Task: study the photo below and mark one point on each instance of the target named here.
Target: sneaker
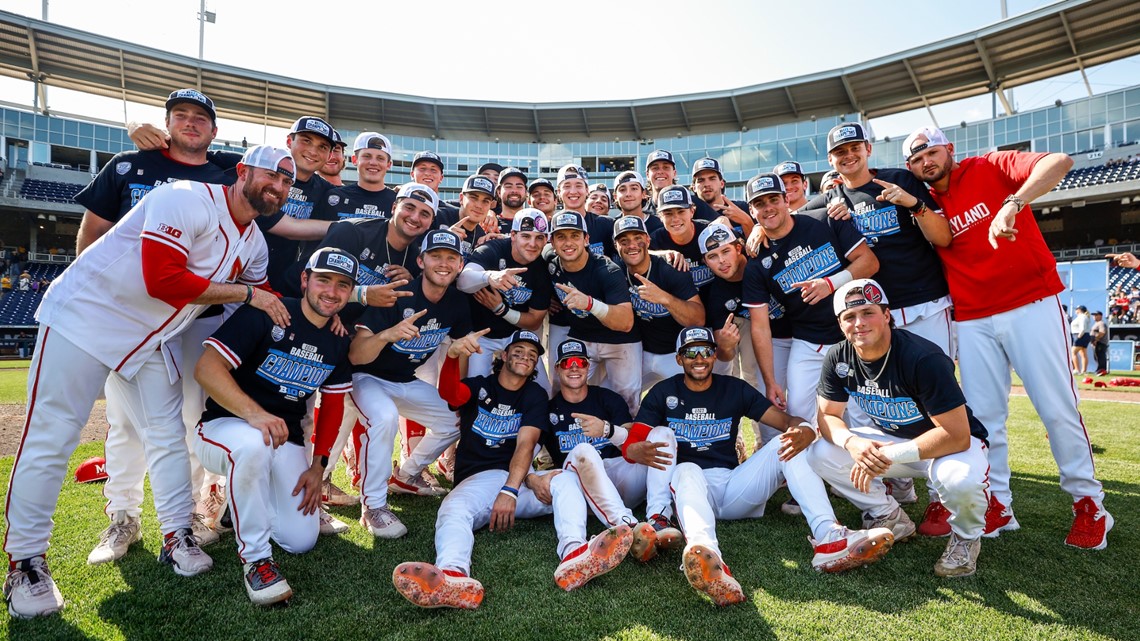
(330, 525)
(264, 582)
(333, 495)
(206, 535)
(417, 485)
(791, 507)
(897, 522)
(603, 553)
(1091, 523)
(644, 545)
(30, 590)
(999, 518)
(741, 449)
(114, 541)
(843, 550)
(935, 521)
(382, 523)
(430, 587)
(902, 490)
(182, 554)
(669, 537)
(212, 507)
(707, 573)
(960, 558)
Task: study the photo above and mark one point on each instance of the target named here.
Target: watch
(324, 461)
(1017, 202)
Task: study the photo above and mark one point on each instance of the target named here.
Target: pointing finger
(728, 321)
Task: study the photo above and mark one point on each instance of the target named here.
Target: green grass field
(1028, 586)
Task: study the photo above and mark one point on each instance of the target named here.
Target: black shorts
(1082, 340)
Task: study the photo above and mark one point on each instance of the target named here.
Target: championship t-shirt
(562, 432)
(601, 231)
(490, 421)
(654, 321)
(724, 298)
(353, 201)
(130, 175)
(532, 292)
(694, 256)
(599, 278)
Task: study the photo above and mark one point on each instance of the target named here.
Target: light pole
(204, 17)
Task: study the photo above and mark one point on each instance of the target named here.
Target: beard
(258, 201)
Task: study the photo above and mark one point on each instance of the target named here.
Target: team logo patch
(627, 223)
(873, 294)
(763, 183)
(408, 312)
(173, 232)
(340, 261)
(716, 238)
(483, 183)
(846, 132)
(364, 255)
(705, 163)
(842, 370)
(730, 304)
(122, 168)
(444, 238)
(674, 196)
(502, 263)
(482, 393)
(277, 333)
(553, 418)
(766, 262)
(317, 126)
(671, 402)
(552, 268)
(334, 199)
(565, 219)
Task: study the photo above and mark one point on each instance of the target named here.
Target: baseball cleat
(416, 485)
(212, 508)
(181, 552)
(114, 541)
(264, 582)
(1091, 523)
(668, 536)
(603, 553)
(644, 546)
(707, 573)
(30, 591)
(791, 507)
(333, 495)
(897, 522)
(382, 523)
(935, 521)
(843, 550)
(902, 490)
(960, 558)
(330, 525)
(427, 586)
(999, 518)
(206, 534)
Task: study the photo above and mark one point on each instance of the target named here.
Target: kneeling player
(258, 377)
(922, 426)
(499, 419)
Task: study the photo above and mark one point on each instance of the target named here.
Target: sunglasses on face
(704, 351)
(572, 362)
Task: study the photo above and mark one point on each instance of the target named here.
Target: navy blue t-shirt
(603, 280)
(532, 292)
(601, 231)
(916, 382)
(706, 423)
(281, 367)
(703, 211)
(130, 175)
(353, 201)
(724, 297)
(813, 249)
(283, 252)
(562, 432)
(490, 421)
(656, 324)
(694, 256)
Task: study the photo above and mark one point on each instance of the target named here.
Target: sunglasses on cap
(572, 362)
(701, 351)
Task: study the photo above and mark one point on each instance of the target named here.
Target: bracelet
(1013, 198)
(829, 283)
(607, 429)
(589, 303)
(248, 294)
(500, 310)
(843, 445)
(325, 461)
(509, 490)
(919, 210)
(360, 294)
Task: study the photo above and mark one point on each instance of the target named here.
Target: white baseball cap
(870, 293)
(419, 192)
(270, 158)
(372, 140)
(934, 138)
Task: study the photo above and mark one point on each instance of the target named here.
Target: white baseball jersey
(101, 302)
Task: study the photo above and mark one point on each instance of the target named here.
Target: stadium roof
(1055, 39)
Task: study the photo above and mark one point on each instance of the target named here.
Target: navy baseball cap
(193, 97)
(427, 156)
(674, 197)
(572, 347)
(313, 125)
(845, 133)
(707, 164)
(527, 336)
(511, 171)
(714, 237)
(627, 224)
(568, 220)
(333, 260)
(829, 176)
(570, 172)
(629, 176)
(419, 192)
(530, 219)
(479, 183)
(539, 182)
(338, 140)
(659, 154)
(870, 293)
(695, 336)
(761, 185)
(490, 166)
(788, 167)
(441, 239)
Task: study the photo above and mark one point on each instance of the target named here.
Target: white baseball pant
(480, 363)
(468, 508)
(259, 487)
(607, 486)
(931, 321)
(1034, 339)
(656, 368)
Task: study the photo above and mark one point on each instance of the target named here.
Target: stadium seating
(1124, 278)
(45, 270)
(19, 308)
(1100, 175)
(54, 192)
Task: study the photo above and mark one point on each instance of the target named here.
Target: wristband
(637, 432)
(919, 210)
(500, 310)
(248, 295)
(607, 429)
(598, 309)
(512, 316)
(840, 279)
(902, 453)
(843, 445)
(324, 461)
(589, 303)
(360, 294)
(506, 489)
(504, 492)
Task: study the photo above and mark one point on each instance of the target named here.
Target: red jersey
(985, 281)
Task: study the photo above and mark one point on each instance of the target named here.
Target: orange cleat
(707, 573)
(430, 587)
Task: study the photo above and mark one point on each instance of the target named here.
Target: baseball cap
(629, 223)
(479, 183)
(674, 197)
(600, 188)
(788, 167)
(1082, 308)
(530, 219)
(333, 260)
(93, 469)
(934, 137)
(539, 182)
(427, 156)
(1098, 313)
(568, 220)
(694, 335)
(419, 192)
(845, 133)
(570, 172)
(313, 125)
(193, 97)
(372, 140)
(629, 176)
(714, 237)
(870, 293)
(338, 140)
(441, 239)
(706, 164)
(763, 184)
(490, 166)
(571, 347)
(829, 176)
(269, 157)
(659, 154)
(511, 171)
(527, 336)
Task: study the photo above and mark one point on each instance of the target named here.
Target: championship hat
(427, 156)
(572, 347)
(629, 223)
(527, 336)
(762, 185)
(530, 219)
(694, 336)
(788, 167)
(568, 220)
(334, 260)
(629, 176)
(479, 183)
(934, 138)
(674, 197)
(93, 469)
(570, 172)
(372, 140)
(270, 158)
(441, 239)
(193, 97)
(845, 133)
(511, 171)
(707, 164)
(419, 192)
(491, 166)
(539, 182)
(870, 293)
(659, 154)
(714, 237)
(313, 125)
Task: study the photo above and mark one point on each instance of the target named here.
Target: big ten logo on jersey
(580, 313)
(496, 424)
(298, 373)
(644, 309)
(888, 412)
(979, 213)
(700, 428)
(173, 232)
(298, 205)
(875, 222)
(804, 264)
(598, 249)
(138, 190)
(421, 347)
(570, 438)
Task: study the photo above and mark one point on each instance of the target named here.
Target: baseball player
(499, 418)
(100, 318)
(921, 424)
(598, 200)
(685, 432)
(664, 300)
(708, 184)
(1008, 313)
(572, 193)
(512, 195)
(830, 180)
(661, 171)
(475, 201)
(369, 197)
(330, 171)
(796, 183)
(259, 377)
(540, 195)
(679, 234)
(427, 169)
(630, 196)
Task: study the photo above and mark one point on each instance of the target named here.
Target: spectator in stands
(25, 282)
(1100, 343)
(1080, 327)
(44, 283)
(5, 285)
